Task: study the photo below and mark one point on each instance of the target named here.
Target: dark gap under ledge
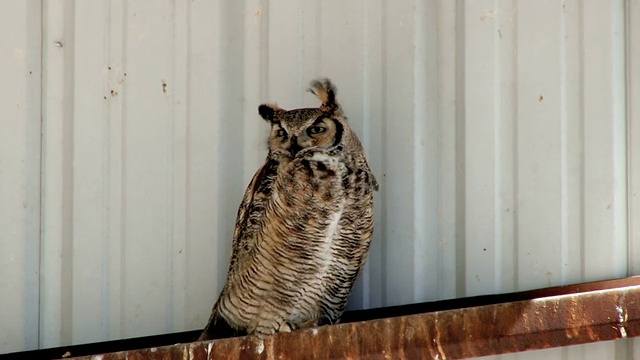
(448, 329)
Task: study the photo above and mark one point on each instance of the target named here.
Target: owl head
(298, 129)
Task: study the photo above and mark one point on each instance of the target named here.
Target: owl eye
(314, 130)
(280, 133)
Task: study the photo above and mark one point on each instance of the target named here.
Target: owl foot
(313, 323)
(285, 327)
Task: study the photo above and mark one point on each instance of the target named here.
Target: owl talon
(285, 327)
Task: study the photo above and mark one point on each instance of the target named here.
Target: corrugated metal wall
(504, 135)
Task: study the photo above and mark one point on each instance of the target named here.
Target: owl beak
(294, 146)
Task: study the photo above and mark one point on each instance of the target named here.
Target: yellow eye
(317, 130)
(280, 133)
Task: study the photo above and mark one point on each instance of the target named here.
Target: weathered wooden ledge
(537, 319)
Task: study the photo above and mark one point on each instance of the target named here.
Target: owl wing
(252, 209)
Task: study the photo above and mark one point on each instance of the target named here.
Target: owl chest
(299, 250)
(309, 245)
(310, 201)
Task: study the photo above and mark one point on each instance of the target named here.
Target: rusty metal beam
(583, 313)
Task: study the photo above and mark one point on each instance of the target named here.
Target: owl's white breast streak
(325, 249)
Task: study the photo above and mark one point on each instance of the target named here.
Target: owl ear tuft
(325, 91)
(268, 112)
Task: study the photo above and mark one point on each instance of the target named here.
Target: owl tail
(326, 92)
(217, 327)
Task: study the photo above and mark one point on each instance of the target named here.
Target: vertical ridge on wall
(448, 59)
(56, 283)
(178, 140)
(423, 147)
(632, 37)
(149, 111)
(580, 254)
(571, 130)
(619, 115)
(51, 281)
(538, 166)
(425, 151)
(505, 38)
(400, 206)
(114, 118)
(204, 281)
(501, 137)
(100, 164)
(381, 223)
(604, 156)
(85, 100)
(32, 170)
(459, 146)
(632, 51)
(479, 146)
(633, 133)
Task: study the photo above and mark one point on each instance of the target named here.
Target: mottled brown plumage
(304, 226)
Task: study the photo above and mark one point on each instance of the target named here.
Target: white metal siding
(504, 135)
(632, 22)
(20, 62)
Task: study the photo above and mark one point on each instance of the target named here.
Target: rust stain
(565, 316)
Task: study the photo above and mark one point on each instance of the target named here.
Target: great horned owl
(304, 226)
